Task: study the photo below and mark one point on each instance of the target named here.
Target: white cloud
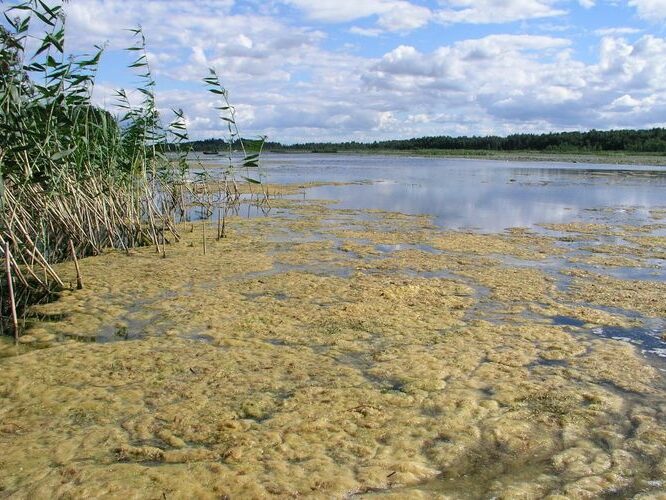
(512, 79)
(495, 11)
(624, 103)
(97, 20)
(496, 84)
(650, 10)
(618, 31)
(404, 16)
(371, 32)
(386, 121)
(293, 83)
(393, 15)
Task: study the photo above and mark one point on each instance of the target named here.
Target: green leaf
(44, 19)
(62, 154)
(23, 27)
(57, 74)
(78, 79)
(34, 67)
(58, 40)
(251, 180)
(11, 21)
(92, 62)
(46, 44)
(51, 11)
(23, 6)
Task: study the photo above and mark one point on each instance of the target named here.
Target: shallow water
(333, 353)
(488, 195)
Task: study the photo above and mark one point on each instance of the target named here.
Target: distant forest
(635, 141)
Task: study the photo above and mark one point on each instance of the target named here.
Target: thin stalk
(10, 290)
(79, 279)
(203, 237)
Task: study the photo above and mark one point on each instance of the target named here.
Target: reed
(75, 179)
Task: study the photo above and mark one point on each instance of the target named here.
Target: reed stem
(10, 290)
(79, 279)
(204, 236)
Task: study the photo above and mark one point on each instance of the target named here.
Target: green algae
(646, 297)
(257, 370)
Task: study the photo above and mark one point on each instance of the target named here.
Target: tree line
(628, 140)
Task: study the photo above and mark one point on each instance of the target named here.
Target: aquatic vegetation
(517, 243)
(645, 297)
(74, 179)
(279, 364)
(658, 213)
(319, 352)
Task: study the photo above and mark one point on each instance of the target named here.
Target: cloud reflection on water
(481, 194)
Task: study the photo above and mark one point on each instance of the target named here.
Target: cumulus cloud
(650, 10)
(195, 35)
(170, 21)
(509, 79)
(495, 84)
(624, 103)
(402, 15)
(291, 82)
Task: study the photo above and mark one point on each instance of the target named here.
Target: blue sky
(302, 70)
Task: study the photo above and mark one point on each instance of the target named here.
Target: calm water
(490, 195)
(483, 194)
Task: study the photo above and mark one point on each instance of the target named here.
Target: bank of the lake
(608, 157)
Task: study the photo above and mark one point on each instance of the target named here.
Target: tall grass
(75, 179)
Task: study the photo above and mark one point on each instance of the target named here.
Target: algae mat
(338, 353)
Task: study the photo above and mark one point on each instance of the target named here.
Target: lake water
(352, 354)
(490, 196)
(487, 195)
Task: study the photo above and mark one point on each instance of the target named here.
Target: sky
(365, 70)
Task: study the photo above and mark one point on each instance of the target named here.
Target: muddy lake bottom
(330, 351)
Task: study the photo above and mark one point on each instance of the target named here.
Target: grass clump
(74, 178)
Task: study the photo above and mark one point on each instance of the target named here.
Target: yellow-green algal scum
(331, 353)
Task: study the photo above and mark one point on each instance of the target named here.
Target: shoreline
(522, 156)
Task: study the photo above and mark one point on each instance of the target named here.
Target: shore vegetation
(76, 179)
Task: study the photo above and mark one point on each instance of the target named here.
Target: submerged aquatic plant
(74, 179)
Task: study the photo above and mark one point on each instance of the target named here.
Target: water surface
(487, 195)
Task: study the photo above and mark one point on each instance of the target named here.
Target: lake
(487, 195)
(490, 196)
(346, 346)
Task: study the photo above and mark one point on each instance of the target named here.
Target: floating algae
(645, 297)
(658, 213)
(258, 371)
(517, 243)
